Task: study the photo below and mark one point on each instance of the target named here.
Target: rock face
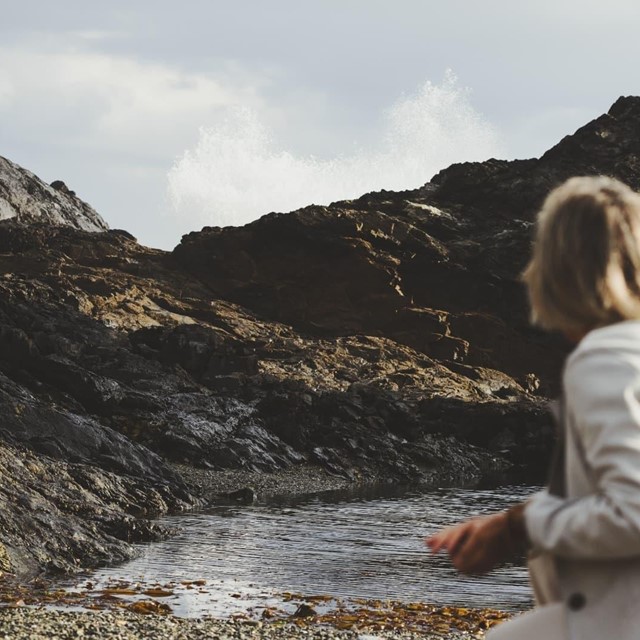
(24, 197)
(60, 516)
(379, 338)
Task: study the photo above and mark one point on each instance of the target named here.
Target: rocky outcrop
(123, 340)
(60, 516)
(608, 145)
(380, 338)
(26, 198)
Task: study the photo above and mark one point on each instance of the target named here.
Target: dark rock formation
(59, 516)
(246, 495)
(384, 337)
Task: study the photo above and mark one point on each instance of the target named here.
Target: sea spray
(236, 172)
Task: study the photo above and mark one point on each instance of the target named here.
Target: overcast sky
(167, 116)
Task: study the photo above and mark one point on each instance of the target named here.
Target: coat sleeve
(602, 393)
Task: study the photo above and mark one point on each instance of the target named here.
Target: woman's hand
(475, 546)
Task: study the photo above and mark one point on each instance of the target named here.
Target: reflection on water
(348, 546)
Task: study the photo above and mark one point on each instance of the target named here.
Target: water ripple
(343, 546)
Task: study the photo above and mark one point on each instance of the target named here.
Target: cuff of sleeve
(516, 528)
(537, 512)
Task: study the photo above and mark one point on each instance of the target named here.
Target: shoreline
(29, 619)
(211, 487)
(23, 612)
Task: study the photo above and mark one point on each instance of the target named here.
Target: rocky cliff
(379, 338)
(26, 198)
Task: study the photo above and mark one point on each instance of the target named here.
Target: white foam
(236, 172)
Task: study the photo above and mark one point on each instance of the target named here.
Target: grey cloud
(320, 74)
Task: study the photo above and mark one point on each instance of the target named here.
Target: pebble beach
(21, 623)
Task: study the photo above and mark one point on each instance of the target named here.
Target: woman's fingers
(434, 543)
(449, 538)
(438, 541)
(466, 557)
(484, 548)
(475, 546)
(459, 536)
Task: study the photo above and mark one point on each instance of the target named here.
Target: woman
(583, 280)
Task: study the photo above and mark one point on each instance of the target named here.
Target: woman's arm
(602, 390)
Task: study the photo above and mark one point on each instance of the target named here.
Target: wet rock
(245, 495)
(60, 516)
(304, 611)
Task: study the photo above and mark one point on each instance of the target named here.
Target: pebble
(22, 623)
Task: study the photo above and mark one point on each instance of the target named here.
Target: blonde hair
(585, 268)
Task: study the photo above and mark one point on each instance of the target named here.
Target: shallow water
(348, 545)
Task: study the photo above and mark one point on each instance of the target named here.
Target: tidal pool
(357, 545)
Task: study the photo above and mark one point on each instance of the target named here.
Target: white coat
(593, 534)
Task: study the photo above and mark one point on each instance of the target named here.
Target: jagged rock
(382, 337)
(28, 199)
(60, 516)
(59, 185)
(377, 267)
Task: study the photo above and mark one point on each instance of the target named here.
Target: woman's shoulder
(601, 382)
(605, 358)
(619, 339)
